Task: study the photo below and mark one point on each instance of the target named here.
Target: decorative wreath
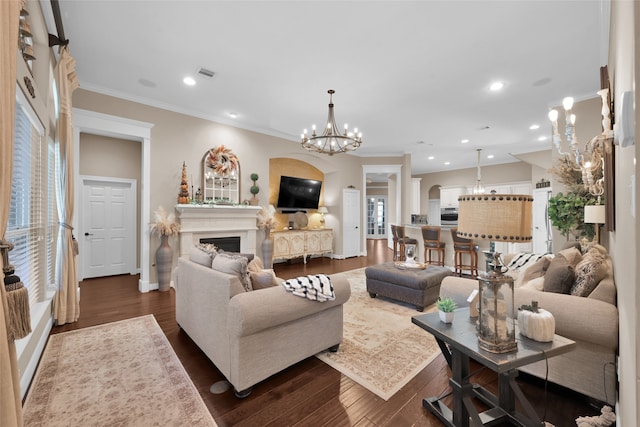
(222, 160)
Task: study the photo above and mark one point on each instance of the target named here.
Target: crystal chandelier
(332, 141)
(478, 188)
(589, 160)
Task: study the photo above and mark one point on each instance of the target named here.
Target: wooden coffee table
(459, 343)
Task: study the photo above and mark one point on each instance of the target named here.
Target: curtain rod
(57, 16)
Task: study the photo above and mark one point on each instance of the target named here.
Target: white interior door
(542, 236)
(107, 236)
(350, 222)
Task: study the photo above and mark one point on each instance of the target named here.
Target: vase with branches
(164, 226)
(266, 222)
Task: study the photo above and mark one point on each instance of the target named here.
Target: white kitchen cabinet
(449, 196)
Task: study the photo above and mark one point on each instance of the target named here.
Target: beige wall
(114, 158)
(178, 138)
(509, 172)
(623, 242)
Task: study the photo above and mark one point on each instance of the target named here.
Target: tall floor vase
(164, 259)
(267, 249)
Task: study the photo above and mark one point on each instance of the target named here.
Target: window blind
(26, 224)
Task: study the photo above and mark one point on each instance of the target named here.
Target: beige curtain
(66, 306)
(10, 402)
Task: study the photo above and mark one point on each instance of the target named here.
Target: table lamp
(322, 210)
(594, 214)
(503, 218)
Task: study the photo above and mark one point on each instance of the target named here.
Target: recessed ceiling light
(542, 138)
(534, 127)
(430, 157)
(189, 81)
(419, 142)
(490, 156)
(447, 163)
(495, 86)
(464, 141)
(233, 115)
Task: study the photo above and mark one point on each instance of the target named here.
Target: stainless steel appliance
(419, 219)
(449, 217)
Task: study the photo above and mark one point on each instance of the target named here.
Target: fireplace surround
(217, 221)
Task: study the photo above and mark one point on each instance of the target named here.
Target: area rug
(118, 374)
(381, 349)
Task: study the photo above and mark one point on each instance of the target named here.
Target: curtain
(10, 402)
(66, 306)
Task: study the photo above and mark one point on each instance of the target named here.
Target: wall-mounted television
(298, 194)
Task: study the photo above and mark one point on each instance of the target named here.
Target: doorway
(377, 217)
(108, 226)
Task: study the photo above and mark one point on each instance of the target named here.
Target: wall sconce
(322, 210)
(591, 159)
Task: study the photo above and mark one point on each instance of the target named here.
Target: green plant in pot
(566, 210)
(446, 307)
(254, 189)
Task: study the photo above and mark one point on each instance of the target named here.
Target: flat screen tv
(298, 193)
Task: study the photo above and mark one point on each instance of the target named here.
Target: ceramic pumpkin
(536, 323)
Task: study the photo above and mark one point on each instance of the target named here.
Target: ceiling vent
(203, 72)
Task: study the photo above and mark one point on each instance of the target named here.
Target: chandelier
(589, 160)
(478, 188)
(332, 141)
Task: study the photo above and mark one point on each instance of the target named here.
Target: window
(27, 226)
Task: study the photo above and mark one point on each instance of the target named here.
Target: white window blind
(26, 226)
(52, 215)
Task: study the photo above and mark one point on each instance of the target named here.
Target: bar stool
(462, 247)
(431, 238)
(399, 242)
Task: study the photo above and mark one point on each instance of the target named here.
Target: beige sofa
(250, 336)
(592, 322)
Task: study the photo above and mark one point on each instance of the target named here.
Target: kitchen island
(415, 231)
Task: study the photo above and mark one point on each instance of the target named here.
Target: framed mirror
(221, 176)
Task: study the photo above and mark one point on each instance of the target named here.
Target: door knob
(88, 234)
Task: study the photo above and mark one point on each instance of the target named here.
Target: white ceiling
(403, 72)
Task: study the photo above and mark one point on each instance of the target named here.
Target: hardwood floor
(309, 393)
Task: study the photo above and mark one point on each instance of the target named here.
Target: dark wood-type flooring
(309, 393)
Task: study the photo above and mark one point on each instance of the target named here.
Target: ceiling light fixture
(542, 138)
(464, 141)
(534, 127)
(478, 188)
(430, 158)
(233, 115)
(496, 86)
(189, 81)
(331, 141)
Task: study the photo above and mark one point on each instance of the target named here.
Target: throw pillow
(199, 256)
(233, 264)
(589, 272)
(263, 279)
(249, 257)
(572, 244)
(571, 254)
(209, 248)
(559, 276)
(255, 265)
(536, 284)
(537, 269)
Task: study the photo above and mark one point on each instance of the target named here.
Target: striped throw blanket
(317, 287)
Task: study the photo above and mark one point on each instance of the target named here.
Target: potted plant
(445, 309)
(164, 226)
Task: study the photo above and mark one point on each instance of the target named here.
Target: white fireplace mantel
(211, 221)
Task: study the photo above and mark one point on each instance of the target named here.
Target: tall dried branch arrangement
(164, 225)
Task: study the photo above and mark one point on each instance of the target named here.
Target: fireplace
(200, 222)
(227, 244)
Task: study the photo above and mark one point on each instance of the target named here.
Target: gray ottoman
(413, 286)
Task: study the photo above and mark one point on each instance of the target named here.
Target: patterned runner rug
(119, 374)
(381, 349)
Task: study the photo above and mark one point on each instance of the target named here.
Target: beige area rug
(381, 349)
(119, 374)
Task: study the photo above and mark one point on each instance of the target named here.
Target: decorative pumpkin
(536, 323)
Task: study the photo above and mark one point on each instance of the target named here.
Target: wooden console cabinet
(301, 243)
